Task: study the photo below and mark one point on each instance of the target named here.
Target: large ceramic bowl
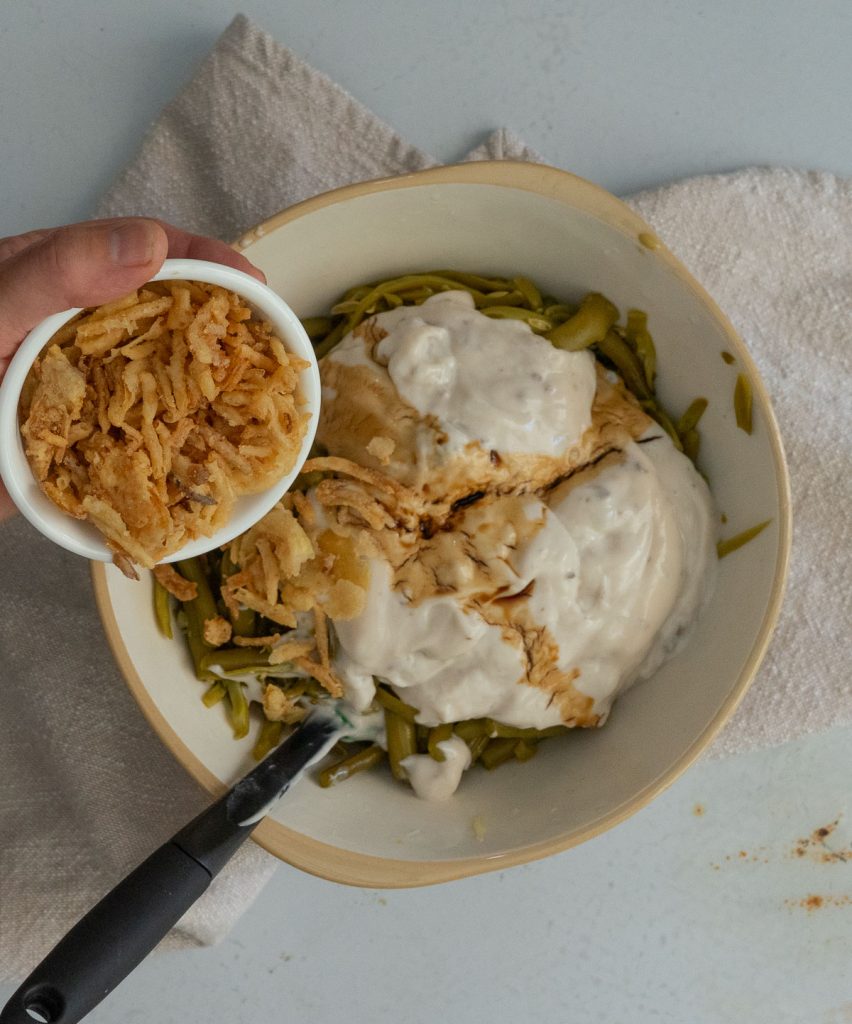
(569, 236)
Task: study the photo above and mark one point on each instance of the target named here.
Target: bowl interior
(570, 238)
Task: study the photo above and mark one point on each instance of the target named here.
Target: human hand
(45, 272)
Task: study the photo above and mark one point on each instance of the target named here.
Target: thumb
(80, 265)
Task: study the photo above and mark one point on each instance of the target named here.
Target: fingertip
(241, 263)
(256, 272)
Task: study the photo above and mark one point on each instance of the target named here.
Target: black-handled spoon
(119, 931)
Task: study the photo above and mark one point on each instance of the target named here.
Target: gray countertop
(699, 909)
(629, 93)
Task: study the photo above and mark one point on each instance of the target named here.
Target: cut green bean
(559, 312)
(421, 733)
(525, 750)
(742, 402)
(498, 752)
(244, 623)
(390, 702)
(471, 728)
(637, 333)
(238, 709)
(267, 739)
(689, 420)
(614, 348)
(588, 326)
(513, 298)
(203, 602)
(535, 321)
(323, 346)
(691, 441)
(235, 659)
(201, 607)
(198, 646)
(725, 547)
(477, 281)
(440, 734)
(529, 291)
(657, 413)
(360, 761)
(214, 693)
(649, 241)
(360, 290)
(162, 610)
(401, 740)
(316, 326)
(476, 745)
(226, 566)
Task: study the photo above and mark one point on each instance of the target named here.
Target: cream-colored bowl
(570, 237)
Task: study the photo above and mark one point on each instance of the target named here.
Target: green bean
(344, 307)
(244, 623)
(689, 420)
(360, 761)
(691, 441)
(226, 566)
(198, 646)
(200, 608)
(324, 346)
(513, 298)
(203, 602)
(476, 745)
(390, 702)
(639, 336)
(656, 412)
(725, 547)
(162, 610)
(614, 348)
(238, 709)
(471, 728)
(477, 281)
(235, 659)
(405, 283)
(588, 326)
(742, 402)
(498, 752)
(440, 734)
(316, 326)
(559, 312)
(401, 740)
(410, 297)
(267, 739)
(529, 291)
(360, 290)
(214, 693)
(536, 322)
(421, 733)
(525, 750)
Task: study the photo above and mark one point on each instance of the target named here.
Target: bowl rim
(84, 539)
(352, 868)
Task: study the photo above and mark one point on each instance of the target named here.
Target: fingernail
(132, 244)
